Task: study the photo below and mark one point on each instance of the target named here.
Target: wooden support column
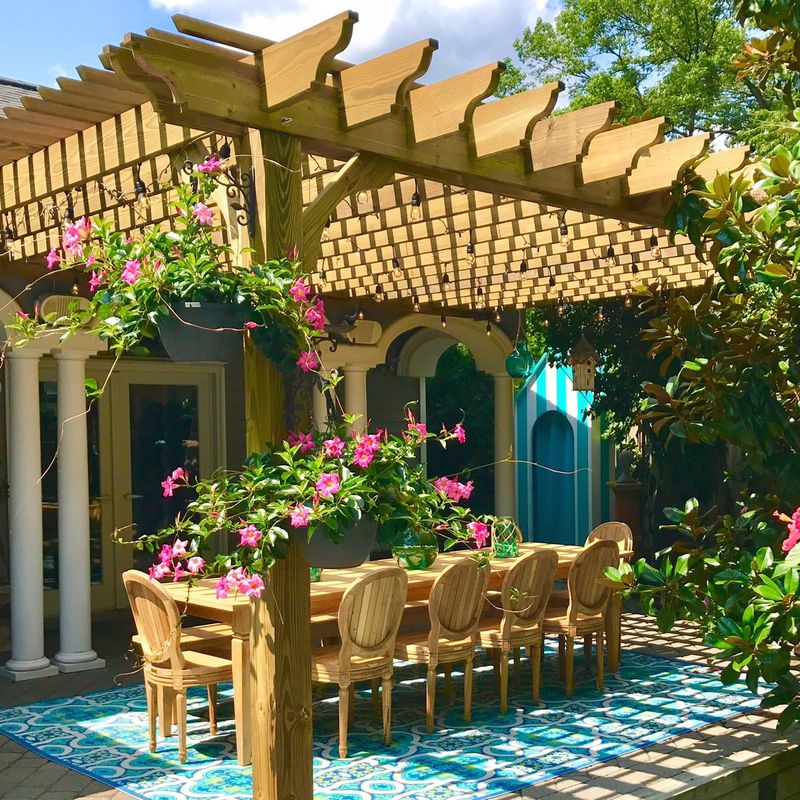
(281, 657)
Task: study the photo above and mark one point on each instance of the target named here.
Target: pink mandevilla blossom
(328, 484)
(460, 433)
(305, 441)
(180, 572)
(165, 554)
(132, 271)
(84, 227)
(249, 536)
(203, 214)
(221, 587)
(479, 531)
(793, 526)
(96, 280)
(442, 485)
(251, 586)
(362, 456)
(300, 291)
(315, 316)
(369, 441)
(211, 164)
(178, 474)
(334, 447)
(298, 516)
(308, 361)
(22, 314)
(250, 324)
(195, 564)
(160, 570)
(53, 258)
(179, 548)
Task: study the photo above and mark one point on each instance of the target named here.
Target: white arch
(421, 353)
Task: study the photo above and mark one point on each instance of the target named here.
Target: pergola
(423, 195)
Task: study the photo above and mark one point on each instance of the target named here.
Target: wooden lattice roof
(498, 177)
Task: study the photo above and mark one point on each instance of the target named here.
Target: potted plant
(180, 284)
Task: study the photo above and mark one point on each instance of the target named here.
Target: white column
(319, 409)
(355, 394)
(74, 561)
(25, 518)
(504, 483)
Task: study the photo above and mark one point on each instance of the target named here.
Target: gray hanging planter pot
(351, 550)
(190, 333)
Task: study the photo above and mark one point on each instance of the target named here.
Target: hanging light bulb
(326, 233)
(563, 231)
(498, 314)
(224, 151)
(360, 314)
(378, 294)
(611, 259)
(628, 301)
(561, 304)
(415, 303)
(444, 321)
(8, 234)
(140, 188)
(415, 213)
(601, 317)
(75, 288)
(655, 249)
(397, 267)
(523, 265)
(635, 268)
(470, 252)
(69, 211)
(488, 328)
(445, 278)
(362, 197)
(323, 278)
(545, 323)
(552, 280)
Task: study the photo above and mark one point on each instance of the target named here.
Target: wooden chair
(525, 593)
(618, 532)
(588, 592)
(454, 608)
(168, 670)
(213, 638)
(369, 617)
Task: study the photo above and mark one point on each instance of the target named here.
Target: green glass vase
(505, 538)
(415, 549)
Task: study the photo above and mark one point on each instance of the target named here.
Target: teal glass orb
(520, 361)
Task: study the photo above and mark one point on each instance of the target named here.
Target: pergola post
(281, 658)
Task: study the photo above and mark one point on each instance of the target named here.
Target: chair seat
(325, 667)
(216, 636)
(556, 621)
(200, 669)
(413, 646)
(492, 639)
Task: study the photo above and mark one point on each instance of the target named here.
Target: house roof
(12, 91)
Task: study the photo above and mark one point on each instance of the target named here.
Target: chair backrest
(526, 591)
(618, 532)
(370, 614)
(456, 601)
(587, 585)
(157, 619)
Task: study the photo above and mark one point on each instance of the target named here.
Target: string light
(488, 328)
(362, 198)
(326, 233)
(444, 321)
(545, 323)
(655, 249)
(561, 304)
(140, 187)
(470, 252)
(75, 288)
(397, 267)
(628, 301)
(360, 313)
(563, 229)
(611, 259)
(69, 211)
(523, 266)
(224, 151)
(415, 303)
(498, 314)
(415, 214)
(601, 317)
(445, 278)
(378, 294)
(635, 268)
(552, 279)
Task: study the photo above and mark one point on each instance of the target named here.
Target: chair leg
(569, 664)
(535, 656)
(351, 705)
(166, 709)
(587, 650)
(448, 682)
(386, 696)
(495, 656)
(561, 656)
(345, 693)
(468, 690)
(504, 681)
(152, 712)
(601, 684)
(180, 709)
(430, 697)
(516, 664)
(212, 708)
(376, 700)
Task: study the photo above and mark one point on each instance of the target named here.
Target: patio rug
(104, 735)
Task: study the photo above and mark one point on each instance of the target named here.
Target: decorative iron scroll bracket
(240, 187)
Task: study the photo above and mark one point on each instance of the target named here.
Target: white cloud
(470, 32)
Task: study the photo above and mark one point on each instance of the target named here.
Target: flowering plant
(320, 482)
(135, 282)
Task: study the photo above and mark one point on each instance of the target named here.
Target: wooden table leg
(240, 656)
(614, 631)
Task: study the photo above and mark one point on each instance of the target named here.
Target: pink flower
(251, 586)
(53, 258)
(460, 433)
(84, 227)
(211, 164)
(305, 441)
(315, 316)
(298, 516)
(479, 531)
(178, 474)
(96, 280)
(300, 291)
(132, 271)
(461, 491)
(195, 564)
(165, 554)
(71, 241)
(180, 572)
(203, 214)
(160, 570)
(362, 456)
(442, 485)
(250, 324)
(221, 587)
(91, 260)
(369, 441)
(293, 252)
(168, 485)
(328, 484)
(249, 536)
(333, 447)
(179, 548)
(308, 361)
(793, 526)
(22, 315)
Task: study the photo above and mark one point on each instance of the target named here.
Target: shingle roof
(12, 91)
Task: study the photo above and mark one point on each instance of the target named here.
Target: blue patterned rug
(104, 735)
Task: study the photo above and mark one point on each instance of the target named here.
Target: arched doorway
(553, 489)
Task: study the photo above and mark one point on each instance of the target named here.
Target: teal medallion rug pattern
(104, 734)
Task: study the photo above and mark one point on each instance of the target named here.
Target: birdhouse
(584, 360)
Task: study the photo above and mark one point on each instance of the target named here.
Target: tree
(655, 57)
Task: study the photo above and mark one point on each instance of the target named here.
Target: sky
(41, 41)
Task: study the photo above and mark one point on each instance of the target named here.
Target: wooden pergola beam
(58, 125)
(661, 166)
(60, 109)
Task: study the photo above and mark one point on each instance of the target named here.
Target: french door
(152, 417)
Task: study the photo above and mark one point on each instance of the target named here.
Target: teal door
(553, 491)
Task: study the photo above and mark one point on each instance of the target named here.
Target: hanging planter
(196, 331)
(352, 549)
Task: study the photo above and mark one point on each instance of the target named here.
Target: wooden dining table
(199, 600)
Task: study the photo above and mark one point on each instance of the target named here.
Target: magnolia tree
(321, 483)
